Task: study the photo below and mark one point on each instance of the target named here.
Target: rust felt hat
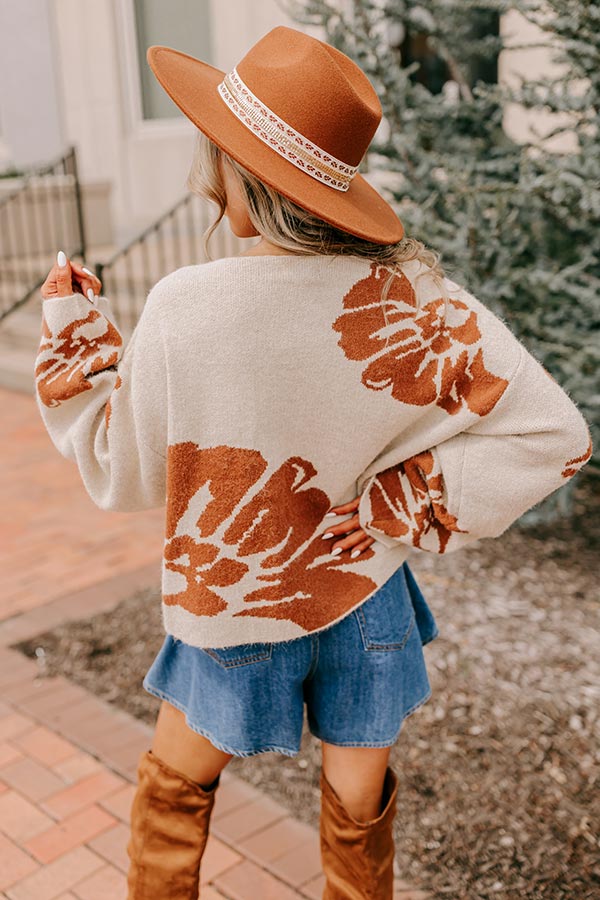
(297, 113)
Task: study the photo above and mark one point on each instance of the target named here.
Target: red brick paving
(77, 829)
(67, 759)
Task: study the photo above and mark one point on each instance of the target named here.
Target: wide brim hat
(299, 115)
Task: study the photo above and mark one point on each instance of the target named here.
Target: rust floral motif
(85, 346)
(108, 408)
(275, 530)
(573, 465)
(418, 354)
(407, 500)
(309, 592)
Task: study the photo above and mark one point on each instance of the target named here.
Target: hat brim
(192, 85)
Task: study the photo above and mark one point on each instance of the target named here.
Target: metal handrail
(36, 172)
(40, 215)
(171, 241)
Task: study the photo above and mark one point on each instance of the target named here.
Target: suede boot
(357, 857)
(170, 816)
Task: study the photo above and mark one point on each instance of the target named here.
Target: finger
(78, 286)
(64, 283)
(48, 289)
(86, 286)
(344, 507)
(358, 549)
(81, 283)
(349, 542)
(341, 527)
(87, 278)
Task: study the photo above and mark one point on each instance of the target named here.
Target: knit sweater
(257, 392)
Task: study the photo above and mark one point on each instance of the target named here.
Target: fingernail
(336, 551)
(90, 295)
(354, 553)
(328, 535)
(87, 271)
(61, 259)
(331, 514)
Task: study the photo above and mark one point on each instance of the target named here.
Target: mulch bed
(500, 770)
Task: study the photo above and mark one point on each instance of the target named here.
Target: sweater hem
(207, 631)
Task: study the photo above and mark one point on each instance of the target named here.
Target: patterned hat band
(281, 137)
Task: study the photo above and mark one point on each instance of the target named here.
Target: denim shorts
(359, 678)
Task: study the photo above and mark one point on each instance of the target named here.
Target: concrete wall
(30, 116)
(522, 124)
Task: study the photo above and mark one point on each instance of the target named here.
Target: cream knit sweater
(257, 392)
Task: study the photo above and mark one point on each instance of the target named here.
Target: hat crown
(296, 113)
(315, 89)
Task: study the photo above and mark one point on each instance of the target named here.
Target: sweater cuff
(78, 339)
(60, 311)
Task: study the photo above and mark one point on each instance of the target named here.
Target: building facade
(74, 72)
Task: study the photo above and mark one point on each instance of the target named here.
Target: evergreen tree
(516, 223)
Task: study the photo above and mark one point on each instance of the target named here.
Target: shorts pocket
(240, 654)
(387, 618)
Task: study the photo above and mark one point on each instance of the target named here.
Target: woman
(330, 370)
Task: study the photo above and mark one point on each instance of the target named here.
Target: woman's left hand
(59, 282)
(355, 536)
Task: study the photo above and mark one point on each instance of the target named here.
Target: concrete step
(17, 368)
(21, 330)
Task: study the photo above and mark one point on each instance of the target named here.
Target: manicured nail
(354, 553)
(331, 514)
(90, 295)
(61, 259)
(336, 551)
(87, 271)
(328, 535)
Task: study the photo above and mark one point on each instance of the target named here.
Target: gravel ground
(499, 771)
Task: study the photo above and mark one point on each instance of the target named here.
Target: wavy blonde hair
(289, 226)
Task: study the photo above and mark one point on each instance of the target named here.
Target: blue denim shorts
(359, 678)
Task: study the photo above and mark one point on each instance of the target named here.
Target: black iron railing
(172, 241)
(43, 214)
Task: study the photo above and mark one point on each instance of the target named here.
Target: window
(181, 24)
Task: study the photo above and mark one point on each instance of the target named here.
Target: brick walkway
(67, 759)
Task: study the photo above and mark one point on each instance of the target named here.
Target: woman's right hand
(355, 538)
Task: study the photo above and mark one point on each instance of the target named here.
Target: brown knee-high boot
(170, 816)
(357, 857)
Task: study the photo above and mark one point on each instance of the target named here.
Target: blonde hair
(289, 226)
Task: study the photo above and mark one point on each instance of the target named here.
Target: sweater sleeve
(104, 408)
(482, 479)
